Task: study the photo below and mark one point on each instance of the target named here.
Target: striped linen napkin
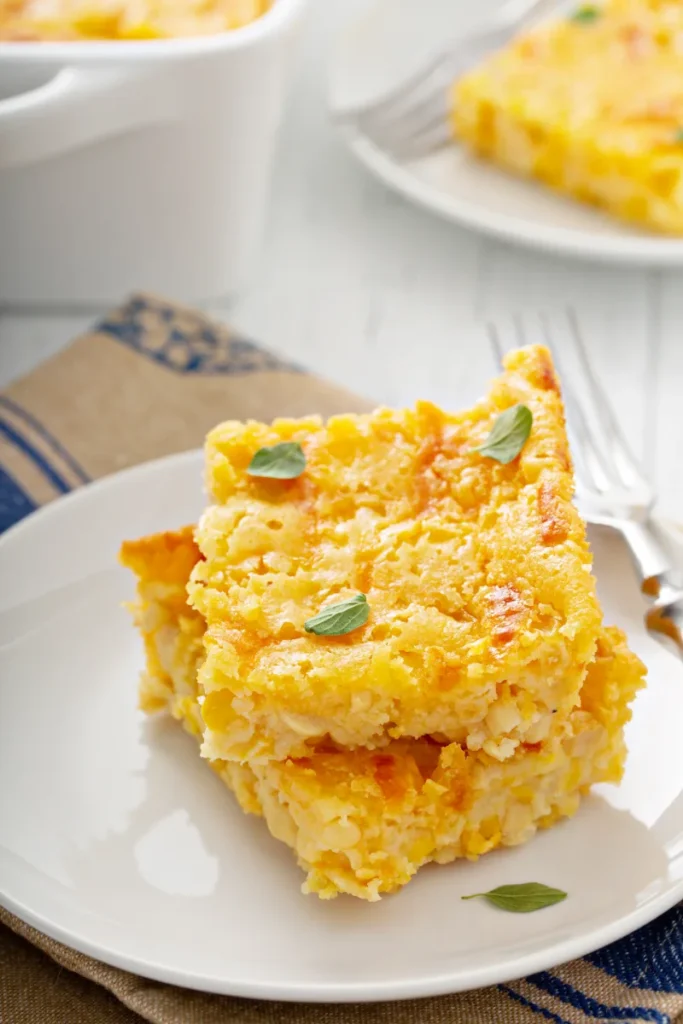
(151, 379)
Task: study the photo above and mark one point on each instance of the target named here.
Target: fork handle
(651, 562)
(666, 615)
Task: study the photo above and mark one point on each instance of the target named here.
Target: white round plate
(382, 48)
(116, 839)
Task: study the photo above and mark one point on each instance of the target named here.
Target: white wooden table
(385, 299)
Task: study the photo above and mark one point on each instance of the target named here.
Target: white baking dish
(138, 165)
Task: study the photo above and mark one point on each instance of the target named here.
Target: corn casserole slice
(363, 822)
(591, 105)
(483, 614)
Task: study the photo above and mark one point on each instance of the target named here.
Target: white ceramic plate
(380, 50)
(116, 839)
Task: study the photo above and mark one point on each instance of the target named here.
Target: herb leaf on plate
(522, 898)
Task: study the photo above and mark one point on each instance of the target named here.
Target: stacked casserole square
(482, 696)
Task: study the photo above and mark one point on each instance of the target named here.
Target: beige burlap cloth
(151, 379)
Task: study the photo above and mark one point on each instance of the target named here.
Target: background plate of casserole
(385, 46)
(116, 839)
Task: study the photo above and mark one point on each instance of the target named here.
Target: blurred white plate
(116, 839)
(383, 47)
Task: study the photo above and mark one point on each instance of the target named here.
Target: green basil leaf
(338, 619)
(523, 898)
(508, 435)
(678, 136)
(284, 461)
(586, 13)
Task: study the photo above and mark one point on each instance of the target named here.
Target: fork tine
(408, 136)
(589, 477)
(494, 341)
(432, 137)
(599, 481)
(379, 110)
(514, 16)
(518, 323)
(597, 473)
(625, 461)
(403, 120)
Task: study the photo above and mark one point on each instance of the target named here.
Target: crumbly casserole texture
(36, 20)
(591, 105)
(483, 614)
(364, 821)
(482, 697)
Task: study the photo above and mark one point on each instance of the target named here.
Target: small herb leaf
(523, 898)
(678, 136)
(284, 461)
(585, 13)
(338, 619)
(508, 435)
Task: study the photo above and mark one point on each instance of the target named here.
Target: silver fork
(413, 119)
(611, 487)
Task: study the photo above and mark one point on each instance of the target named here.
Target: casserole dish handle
(78, 107)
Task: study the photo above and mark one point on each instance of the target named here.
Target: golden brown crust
(555, 524)
(172, 631)
(507, 609)
(163, 557)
